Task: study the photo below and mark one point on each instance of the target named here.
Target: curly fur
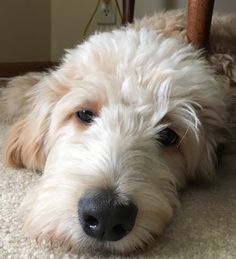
(138, 80)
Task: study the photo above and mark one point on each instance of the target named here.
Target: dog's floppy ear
(25, 144)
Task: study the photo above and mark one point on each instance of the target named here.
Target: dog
(126, 120)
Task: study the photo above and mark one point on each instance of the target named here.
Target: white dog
(127, 119)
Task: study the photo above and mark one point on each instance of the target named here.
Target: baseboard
(18, 68)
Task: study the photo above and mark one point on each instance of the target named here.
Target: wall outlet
(107, 13)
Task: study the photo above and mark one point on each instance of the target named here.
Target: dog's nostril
(119, 230)
(90, 221)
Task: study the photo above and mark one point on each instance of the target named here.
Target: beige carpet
(204, 226)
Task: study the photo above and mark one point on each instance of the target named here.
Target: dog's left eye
(167, 137)
(85, 116)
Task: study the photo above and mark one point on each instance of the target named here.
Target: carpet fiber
(204, 225)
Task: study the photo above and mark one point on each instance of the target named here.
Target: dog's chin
(126, 246)
(70, 236)
(46, 219)
(81, 243)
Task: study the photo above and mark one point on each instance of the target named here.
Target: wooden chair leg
(128, 11)
(199, 21)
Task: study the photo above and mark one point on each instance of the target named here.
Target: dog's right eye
(85, 116)
(168, 137)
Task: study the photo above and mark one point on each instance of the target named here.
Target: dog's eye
(85, 116)
(167, 137)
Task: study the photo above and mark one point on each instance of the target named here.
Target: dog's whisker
(181, 140)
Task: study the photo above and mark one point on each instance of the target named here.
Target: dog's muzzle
(104, 217)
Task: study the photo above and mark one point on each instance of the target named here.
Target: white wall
(69, 18)
(40, 30)
(24, 30)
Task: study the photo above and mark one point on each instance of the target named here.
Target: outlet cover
(107, 13)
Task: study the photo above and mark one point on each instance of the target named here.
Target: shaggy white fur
(159, 109)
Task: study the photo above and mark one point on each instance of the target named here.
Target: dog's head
(123, 123)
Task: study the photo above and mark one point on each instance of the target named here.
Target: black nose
(104, 217)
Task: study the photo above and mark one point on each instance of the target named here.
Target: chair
(198, 19)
